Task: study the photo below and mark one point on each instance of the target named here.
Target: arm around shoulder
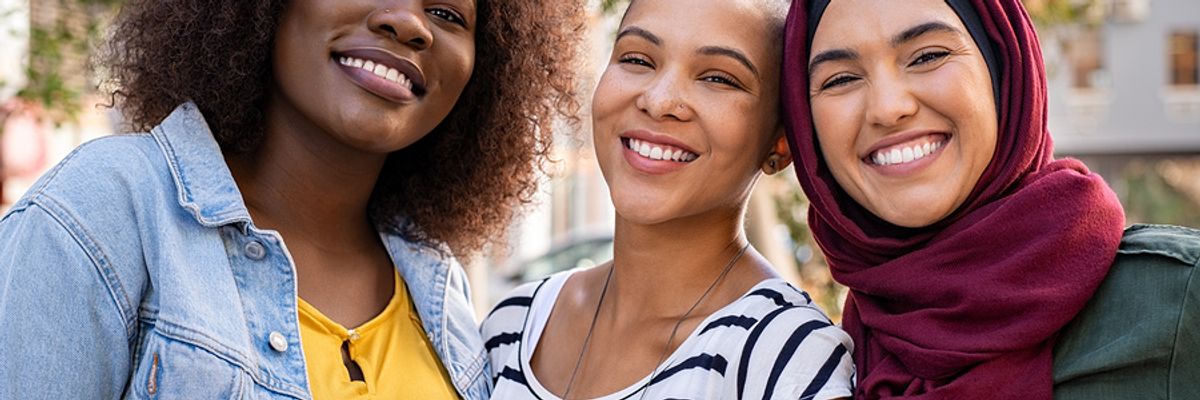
(65, 323)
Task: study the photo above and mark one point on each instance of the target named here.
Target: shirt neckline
(394, 307)
(549, 293)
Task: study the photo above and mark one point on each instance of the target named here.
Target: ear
(780, 155)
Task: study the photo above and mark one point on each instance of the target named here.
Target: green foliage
(611, 6)
(58, 50)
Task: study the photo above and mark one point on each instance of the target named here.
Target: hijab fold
(967, 308)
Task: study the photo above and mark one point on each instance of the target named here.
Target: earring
(772, 164)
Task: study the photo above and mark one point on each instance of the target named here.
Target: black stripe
(823, 375)
(513, 375)
(732, 320)
(743, 366)
(787, 352)
(709, 362)
(501, 339)
(512, 302)
(774, 296)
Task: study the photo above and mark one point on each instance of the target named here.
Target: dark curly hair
(216, 53)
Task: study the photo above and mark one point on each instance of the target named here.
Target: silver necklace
(596, 314)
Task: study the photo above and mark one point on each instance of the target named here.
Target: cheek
(836, 132)
(458, 63)
(611, 96)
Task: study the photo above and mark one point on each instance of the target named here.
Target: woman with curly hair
(284, 229)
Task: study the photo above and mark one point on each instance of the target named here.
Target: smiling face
(375, 79)
(903, 107)
(685, 113)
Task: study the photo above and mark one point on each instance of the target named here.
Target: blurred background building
(1124, 80)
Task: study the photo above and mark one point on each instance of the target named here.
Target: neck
(305, 184)
(661, 268)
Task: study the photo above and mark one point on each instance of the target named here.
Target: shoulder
(780, 317)
(1153, 282)
(789, 348)
(1165, 242)
(508, 315)
(102, 175)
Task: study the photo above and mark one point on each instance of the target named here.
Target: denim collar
(205, 186)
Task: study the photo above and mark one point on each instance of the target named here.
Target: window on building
(1185, 58)
(1086, 57)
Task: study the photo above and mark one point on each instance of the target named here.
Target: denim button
(255, 251)
(278, 342)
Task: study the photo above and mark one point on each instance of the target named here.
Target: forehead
(742, 24)
(859, 23)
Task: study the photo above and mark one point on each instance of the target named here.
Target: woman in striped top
(685, 117)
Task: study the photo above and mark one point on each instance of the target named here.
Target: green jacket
(1139, 337)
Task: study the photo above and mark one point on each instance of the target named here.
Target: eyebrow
(908, 35)
(922, 29)
(639, 32)
(731, 53)
(831, 55)
(706, 50)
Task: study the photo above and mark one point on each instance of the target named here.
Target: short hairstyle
(459, 186)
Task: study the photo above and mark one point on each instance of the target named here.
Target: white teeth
(904, 155)
(660, 153)
(380, 70)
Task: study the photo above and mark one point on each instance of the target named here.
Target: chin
(642, 211)
(903, 215)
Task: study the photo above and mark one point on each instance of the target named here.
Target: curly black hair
(216, 53)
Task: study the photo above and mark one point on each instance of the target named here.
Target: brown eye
(635, 60)
(929, 57)
(447, 15)
(838, 81)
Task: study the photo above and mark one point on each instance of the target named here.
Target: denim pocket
(172, 369)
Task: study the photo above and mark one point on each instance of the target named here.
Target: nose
(665, 99)
(891, 102)
(404, 23)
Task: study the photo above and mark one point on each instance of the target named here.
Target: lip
(649, 166)
(379, 86)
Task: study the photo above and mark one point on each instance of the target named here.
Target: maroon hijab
(969, 307)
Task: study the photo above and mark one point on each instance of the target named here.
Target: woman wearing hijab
(979, 266)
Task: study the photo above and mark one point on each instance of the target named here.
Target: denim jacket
(133, 270)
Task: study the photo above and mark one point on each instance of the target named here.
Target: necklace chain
(596, 315)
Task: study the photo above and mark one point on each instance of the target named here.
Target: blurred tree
(62, 35)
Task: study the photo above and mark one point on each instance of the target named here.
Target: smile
(907, 152)
(380, 70)
(382, 74)
(658, 152)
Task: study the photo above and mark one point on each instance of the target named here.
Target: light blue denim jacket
(133, 270)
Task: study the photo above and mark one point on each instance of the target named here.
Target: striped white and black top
(771, 343)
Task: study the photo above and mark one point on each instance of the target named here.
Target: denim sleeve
(63, 334)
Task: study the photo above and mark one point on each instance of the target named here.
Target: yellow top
(396, 359)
